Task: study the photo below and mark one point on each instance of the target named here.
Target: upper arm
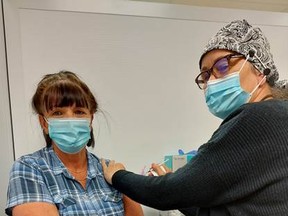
(35, 209)
(131, 207)
(26, 185)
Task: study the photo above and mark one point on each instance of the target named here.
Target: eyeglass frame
(210, 71)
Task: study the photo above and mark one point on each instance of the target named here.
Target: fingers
(159, 169)
(166, 169)
(103, 163)
(151, 172)
(111, 169)
(163, 169)
(111, 163)
(107, 173)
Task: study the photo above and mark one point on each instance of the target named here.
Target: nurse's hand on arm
(111, 169)
(131, 207)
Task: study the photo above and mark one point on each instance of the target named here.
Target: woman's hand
(158, 169)
(111, 169)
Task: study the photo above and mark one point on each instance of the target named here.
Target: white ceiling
(260, 5)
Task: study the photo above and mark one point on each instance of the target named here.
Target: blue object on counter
(181, 152)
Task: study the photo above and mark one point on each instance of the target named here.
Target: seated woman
(64, 178)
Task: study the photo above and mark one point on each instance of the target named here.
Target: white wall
(6, 144)
(140, 60)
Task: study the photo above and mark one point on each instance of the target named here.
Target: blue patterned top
(42, 177)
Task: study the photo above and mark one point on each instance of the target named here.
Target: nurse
(242, 169)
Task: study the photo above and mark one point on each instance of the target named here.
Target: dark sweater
(241, 170)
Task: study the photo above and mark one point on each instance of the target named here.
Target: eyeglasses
(219, 69)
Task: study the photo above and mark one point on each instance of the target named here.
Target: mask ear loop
(244, 63)
(46, 120)
(256, 87)
(42, 126)
(264, 77)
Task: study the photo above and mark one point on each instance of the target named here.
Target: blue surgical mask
(70, 134)
(225, 95)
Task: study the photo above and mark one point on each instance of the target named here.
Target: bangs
(64, 94)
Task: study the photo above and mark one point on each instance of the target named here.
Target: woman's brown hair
(63, 89)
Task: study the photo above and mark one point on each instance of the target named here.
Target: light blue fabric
(42, 177)
(70, 134)
(225, 95)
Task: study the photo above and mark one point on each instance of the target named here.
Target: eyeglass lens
(219, 69)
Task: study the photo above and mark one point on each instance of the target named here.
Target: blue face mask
(69, 134)
(225, 95)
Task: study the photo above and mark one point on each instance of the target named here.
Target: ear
(43, 124)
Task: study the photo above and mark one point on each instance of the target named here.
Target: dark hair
(280, 93)
(60, 90)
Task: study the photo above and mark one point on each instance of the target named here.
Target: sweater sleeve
(191, 185)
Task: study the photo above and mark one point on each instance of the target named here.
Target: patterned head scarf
(239, 36)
